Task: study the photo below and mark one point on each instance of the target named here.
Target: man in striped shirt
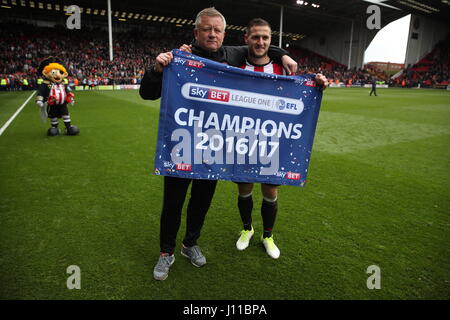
(209, 34)
(258, 38)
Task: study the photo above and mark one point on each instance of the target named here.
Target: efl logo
(211, 94)
(183, 167)
(293, 175)
(281, 105)
(195, 64)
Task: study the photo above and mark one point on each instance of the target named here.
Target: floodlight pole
(110, 32)
(280, 41)
(350, 47)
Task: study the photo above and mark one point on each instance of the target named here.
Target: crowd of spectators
(336, 72)
(431, 71)
(86, 54)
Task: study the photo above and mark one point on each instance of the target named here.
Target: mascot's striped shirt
(59, 92)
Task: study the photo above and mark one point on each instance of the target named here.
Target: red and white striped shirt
(59, 92)
(270, 67)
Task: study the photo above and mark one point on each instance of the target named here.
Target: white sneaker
(271, 249)
(244, 239)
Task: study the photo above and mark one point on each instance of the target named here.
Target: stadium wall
(335, 44)
(424, 34)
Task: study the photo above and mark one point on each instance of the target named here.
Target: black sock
(245, 206)
(67, 122)
(54, 122)
(268, 213)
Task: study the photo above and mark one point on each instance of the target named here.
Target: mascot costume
(53, 96)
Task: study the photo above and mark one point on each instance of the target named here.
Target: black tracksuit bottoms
(175, 190)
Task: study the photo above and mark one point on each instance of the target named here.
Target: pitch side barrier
(110, 87)
(378, 86)
(136, 87)
(385, 86)
(341, 85)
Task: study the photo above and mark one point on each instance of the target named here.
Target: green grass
(377, 194)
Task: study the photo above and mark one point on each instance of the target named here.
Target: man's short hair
(256, 22)
(209, 12)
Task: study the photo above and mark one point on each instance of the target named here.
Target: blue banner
(220, 122)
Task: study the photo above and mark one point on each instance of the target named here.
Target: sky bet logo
(293, 175)
(183, 167)
(242, 99)
(195, 64)
(190, 63)
(210, 94)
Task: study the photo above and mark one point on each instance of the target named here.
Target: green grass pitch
(377, 194)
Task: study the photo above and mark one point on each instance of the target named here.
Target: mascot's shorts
(57, 110)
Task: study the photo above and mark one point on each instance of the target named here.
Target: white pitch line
(15, 114)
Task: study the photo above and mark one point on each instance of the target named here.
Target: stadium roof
(301, 18)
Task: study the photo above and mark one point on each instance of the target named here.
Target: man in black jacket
(374, 87)
(209, 33)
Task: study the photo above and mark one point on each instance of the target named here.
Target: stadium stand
(432, 71)
(86, 53)
(22, 46)
(336, 72)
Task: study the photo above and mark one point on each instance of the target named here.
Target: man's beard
(252, 54)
